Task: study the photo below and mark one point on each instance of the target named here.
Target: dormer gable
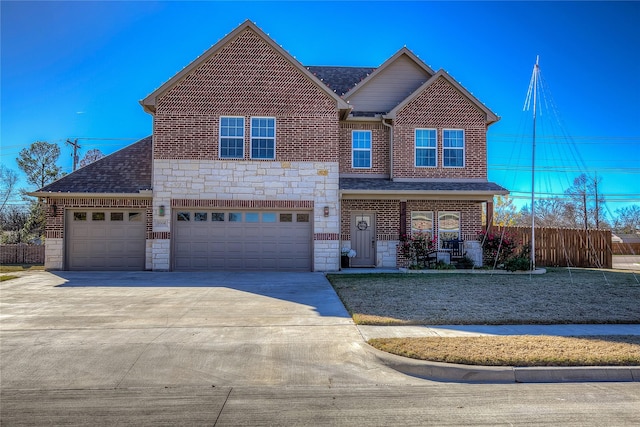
(490, 116)
(392, 82)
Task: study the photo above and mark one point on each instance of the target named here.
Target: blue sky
(78, 69)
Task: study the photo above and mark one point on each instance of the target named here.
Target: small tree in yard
(497, 247)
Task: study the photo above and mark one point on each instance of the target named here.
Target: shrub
(466, 263)
(497, 247)
(416, 249)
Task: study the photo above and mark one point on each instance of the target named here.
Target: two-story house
(258, 162)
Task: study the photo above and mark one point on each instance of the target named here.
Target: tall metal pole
(533, 167)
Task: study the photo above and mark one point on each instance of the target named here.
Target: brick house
(257, 162)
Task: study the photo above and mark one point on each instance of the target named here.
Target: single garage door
(209, 240)
(105, 240)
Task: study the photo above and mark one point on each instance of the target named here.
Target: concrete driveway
(84, 330)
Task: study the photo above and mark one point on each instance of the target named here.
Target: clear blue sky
(78, 69)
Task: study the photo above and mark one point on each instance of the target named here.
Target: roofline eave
(142, 194)
(422, 194)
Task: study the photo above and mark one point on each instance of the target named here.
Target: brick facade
(379, 148)
(440, 106)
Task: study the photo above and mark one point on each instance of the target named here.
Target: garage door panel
(96, 242)
(225, 245)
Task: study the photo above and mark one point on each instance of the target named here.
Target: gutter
(390, 146)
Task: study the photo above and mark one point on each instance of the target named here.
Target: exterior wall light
(161, 210)
(326, 211)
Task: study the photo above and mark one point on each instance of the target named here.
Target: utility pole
(595, 185)
(76, 147)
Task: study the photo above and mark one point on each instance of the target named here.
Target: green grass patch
(20, 267)
(6, 277)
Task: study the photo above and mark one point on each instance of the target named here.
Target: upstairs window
(263, 138)
(426, 148)
(231, 137)
(453, 148)
(361, 149)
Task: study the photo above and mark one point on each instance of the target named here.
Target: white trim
(265, 137)
(415, 147)
(220, 136)
(463, 148)
(370, 150)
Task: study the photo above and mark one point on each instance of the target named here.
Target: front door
(363, 239)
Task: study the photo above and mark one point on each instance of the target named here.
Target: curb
(452, 372)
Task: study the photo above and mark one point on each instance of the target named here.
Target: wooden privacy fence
(562, 247)
(626, 248)
(21, 254)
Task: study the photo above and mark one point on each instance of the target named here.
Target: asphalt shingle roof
(341, 79)
(378, 184)
(126, 171)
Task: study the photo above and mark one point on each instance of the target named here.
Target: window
(448, 226)
(453, 148)
(117, 216)
(183, 216)
(235, 217)
(286, 217)
(268, 217)
(302, 217)
(426, 148)
(252, 217)
(422, 222)
(135, 216)
(79, 216)
(361, 149)
(232, 137)
(217, 216)
(263, 138)
(97, 216)
(200, 216)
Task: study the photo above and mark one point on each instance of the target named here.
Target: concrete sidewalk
(369, 332)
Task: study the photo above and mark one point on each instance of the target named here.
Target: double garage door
(241, 240)
(105, 239)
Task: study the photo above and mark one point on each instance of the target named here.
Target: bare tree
(90, 157)
(628, 219)
(8, 181)
(586, 201)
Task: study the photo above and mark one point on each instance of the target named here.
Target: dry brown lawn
(557, 297)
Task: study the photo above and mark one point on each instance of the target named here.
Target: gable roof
(402, 52)
(149, 103)
(126, 171)
(491, 117)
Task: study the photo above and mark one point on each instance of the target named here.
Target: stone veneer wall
(248, 184)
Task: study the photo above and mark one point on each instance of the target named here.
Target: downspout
(390, 147)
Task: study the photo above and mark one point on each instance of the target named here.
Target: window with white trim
(422, 222)
(231, 137)
(426, 148)
(453, 148)
(448, 226)
(263, 137)
(361, 149)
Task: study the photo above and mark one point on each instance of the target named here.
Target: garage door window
(268, 217)
(217, 216)
(286, 217)
(182, 216)
(135, 216)
(79, 216)
(97, 216)
(302, 217)
(251, 217)
(200, 216)
(235, 217)
(117, 216)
